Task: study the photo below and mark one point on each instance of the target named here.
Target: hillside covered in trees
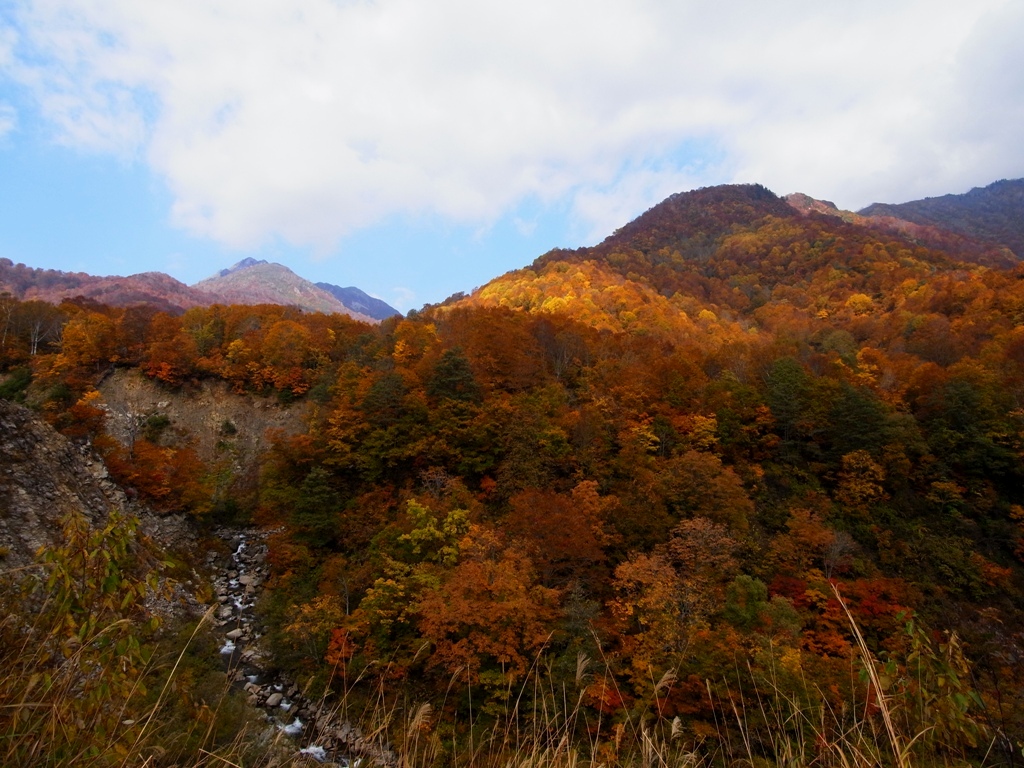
(739, 483)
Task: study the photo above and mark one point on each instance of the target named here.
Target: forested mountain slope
(969, 248)
(738, 253)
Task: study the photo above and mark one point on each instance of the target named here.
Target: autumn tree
(652, 608)
(452, 378)
(88, 344)
(317, 508)
(697, 484)
(564, 534)
(487, 618)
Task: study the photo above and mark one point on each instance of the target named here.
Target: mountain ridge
(246, 262)
(984, 226)
(239, 283)
(696, 215)
(156, 288)
(993, 250)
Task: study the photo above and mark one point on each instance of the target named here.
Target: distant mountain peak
(245, 263)
(250, 281)
(253, 281)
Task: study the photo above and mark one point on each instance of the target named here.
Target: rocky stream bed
(319, 733)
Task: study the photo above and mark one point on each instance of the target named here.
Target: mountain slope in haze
(993, 214)
(261, 282)
(248, 282)
(358, 300)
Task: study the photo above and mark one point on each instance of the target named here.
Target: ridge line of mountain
(249, 281)
(984, 226)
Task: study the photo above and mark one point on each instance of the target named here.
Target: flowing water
(318, 731)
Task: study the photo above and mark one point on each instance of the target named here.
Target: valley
(741, 484)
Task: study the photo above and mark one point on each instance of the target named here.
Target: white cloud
(599, 211)
(309, 119)
(85, 83)
(8, 119)
(8, 114)
(985, 116)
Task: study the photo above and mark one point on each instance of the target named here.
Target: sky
(416, 148)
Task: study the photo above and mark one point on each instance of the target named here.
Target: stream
(318, 732)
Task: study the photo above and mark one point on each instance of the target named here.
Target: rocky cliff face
(217, 422)
(43, 478)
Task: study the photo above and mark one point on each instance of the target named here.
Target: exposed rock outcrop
(217, 421)
(43, 478)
